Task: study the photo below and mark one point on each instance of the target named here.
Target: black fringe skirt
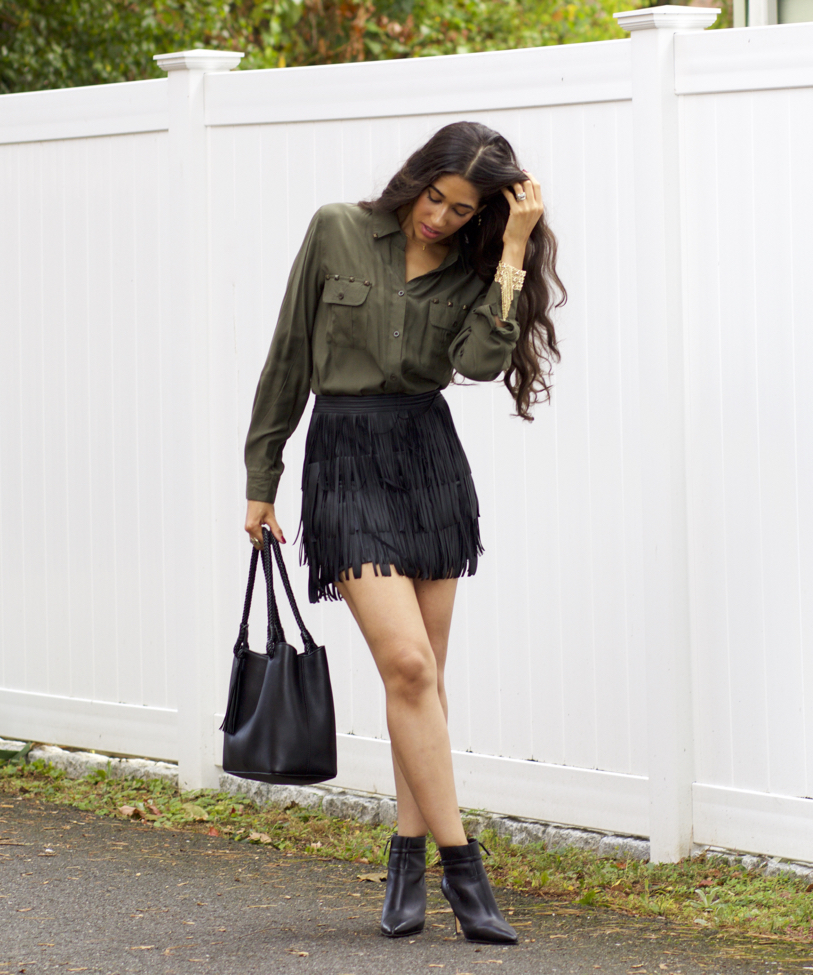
(386, 481)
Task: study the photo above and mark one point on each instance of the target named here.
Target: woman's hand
(261, 513)
(522, 219)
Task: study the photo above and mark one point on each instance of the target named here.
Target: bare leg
(436, 602)
(388, 612)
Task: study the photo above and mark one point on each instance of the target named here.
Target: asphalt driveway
(80, 893)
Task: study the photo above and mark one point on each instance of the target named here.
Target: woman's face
(442, 209)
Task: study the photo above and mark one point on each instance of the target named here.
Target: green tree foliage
(63, 43)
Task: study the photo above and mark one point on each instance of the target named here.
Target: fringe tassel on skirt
(386, 481)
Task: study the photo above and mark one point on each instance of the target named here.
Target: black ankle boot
(405, 901)
(465, 886)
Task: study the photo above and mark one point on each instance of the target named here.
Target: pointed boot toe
(404, 911)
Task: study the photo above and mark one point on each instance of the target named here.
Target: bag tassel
(230, 718)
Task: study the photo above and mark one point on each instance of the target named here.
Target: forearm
(513, 253)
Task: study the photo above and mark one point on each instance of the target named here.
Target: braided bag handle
(274, 632)
(307, 639)
(242, 637)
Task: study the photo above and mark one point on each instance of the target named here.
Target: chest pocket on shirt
(444, 322)
(347, 324)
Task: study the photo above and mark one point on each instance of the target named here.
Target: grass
(706, 891)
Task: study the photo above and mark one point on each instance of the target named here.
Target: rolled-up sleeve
(284, 386)
(482, 349)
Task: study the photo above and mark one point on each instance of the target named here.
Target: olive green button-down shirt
(352, 325)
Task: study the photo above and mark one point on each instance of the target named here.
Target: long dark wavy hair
(485, 158)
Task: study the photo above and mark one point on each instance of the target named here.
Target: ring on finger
(521, 196)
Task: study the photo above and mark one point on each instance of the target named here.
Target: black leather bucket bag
(280, 724)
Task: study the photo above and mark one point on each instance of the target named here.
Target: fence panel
(506, 627)
(747, 196)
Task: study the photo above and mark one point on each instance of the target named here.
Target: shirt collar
(384, 224)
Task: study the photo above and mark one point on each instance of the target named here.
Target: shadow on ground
(80, 893)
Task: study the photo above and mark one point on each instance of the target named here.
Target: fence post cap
(668, 16)
(199, 60)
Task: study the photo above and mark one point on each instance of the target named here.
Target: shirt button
(396, 334)
(341, 294)
(367, 284)
(335, 277)
(375, 235)
(400, 294)
(465, 307)
(327, 277)
(448, 304)
(434, 301)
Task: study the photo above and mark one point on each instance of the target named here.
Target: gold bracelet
(510, 280)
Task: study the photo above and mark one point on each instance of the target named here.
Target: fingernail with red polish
(283, 540)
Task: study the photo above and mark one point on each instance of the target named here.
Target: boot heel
(457, 928)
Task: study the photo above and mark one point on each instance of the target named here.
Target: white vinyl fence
(634, 654)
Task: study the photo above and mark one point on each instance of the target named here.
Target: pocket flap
(444, 315)
(344, 292)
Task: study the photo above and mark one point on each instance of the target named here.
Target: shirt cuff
(510, 326)
(262, 487)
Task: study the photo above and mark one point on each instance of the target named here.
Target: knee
(412, 671)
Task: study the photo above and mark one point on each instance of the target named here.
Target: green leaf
(15, 757)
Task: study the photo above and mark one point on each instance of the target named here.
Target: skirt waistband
(379, 403)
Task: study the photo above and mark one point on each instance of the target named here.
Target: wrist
(513, 253)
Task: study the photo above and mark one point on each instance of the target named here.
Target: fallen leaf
(151, 807)
(132, 812)
(213, 831)
(141, 947)
(22, 910)
(809, 889)
(374, 877)
(194, 812)
(259, 838)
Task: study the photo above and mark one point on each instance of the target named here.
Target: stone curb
(77, 764)
(376, 810)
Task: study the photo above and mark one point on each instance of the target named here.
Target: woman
(386, 299)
